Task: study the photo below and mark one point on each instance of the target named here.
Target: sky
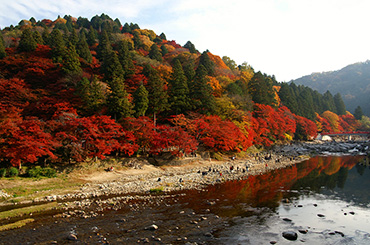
(285, 38)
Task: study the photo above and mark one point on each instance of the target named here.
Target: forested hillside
(74, 88)
(353, 82)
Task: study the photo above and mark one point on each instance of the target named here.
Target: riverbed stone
(290, 235)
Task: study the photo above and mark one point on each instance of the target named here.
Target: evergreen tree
(154, 53)
(37, 37)
(125, 59)
(71, 64)
(189, 70)
(119, 105)
(91, 94)
(141, 101)
(305, 105)
(179, 91)
(191, 47)
(73, 38)
(2, 47)
(104, 47)
(288, 98)
(137, 40)
(339, 104)
(261, 89)
(126, 28)
(358, 113)
(57, 45)
(83, 50)
(207, 63)
(201, 92)
(91, 36)
(163, 36)
(27, 43)
(46, 36)
(164, 50)
(158, 97)
(328, 102)
(111, 66)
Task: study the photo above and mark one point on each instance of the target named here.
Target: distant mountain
(352, 82)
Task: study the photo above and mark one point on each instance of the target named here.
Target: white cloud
(288, 38)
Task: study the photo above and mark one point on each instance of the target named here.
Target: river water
(324, 200)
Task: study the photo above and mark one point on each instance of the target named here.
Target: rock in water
(290, 235)
(152, 228)
(72, 237)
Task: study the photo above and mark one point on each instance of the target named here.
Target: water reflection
(327, 196)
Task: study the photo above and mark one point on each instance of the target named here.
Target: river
(324, 200)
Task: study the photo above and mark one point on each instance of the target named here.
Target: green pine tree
(73, 38)
(70, 62)
(155, 54)
(91, 36)
(201, 92)
(358, 113)
(191, 47)
(158, 97)
(207, 63)
(2, 48)
(339, 104)
(57, 45)
(179, 92)
(141, 101)
(27, 43)
(125, 59)
(261, 89)
(37, 37)
(119, 105)
(328, 102)
(111, 66)
(83, 50)
(288, 98)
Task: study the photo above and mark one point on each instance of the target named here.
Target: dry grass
(27, 210)
(15, 225)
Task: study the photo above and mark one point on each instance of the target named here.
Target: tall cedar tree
(73, 38)
(191, 47)
(155, 54)
(2, 50)
(111, 66)
(57, 45)
(70, 62)
(91, 36)
(119, 105)
(141, 101)
(201, 92)
(91, 94)
(339, 104)
(358, 113)
(261, 90)
(125, 59)
(179, 92)
(37, 37)
(82, 48)
(27, 43)
(288, 97)
(158, 97)
(329, 104)
(46, 36)
(208, 64)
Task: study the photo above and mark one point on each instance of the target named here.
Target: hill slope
(352, 82)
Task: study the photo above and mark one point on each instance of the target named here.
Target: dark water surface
(325, 200)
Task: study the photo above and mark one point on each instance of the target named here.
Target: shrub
(37, 172)
(2, 172)
(13, 172)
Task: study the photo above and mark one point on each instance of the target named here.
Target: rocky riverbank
(194, 172)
